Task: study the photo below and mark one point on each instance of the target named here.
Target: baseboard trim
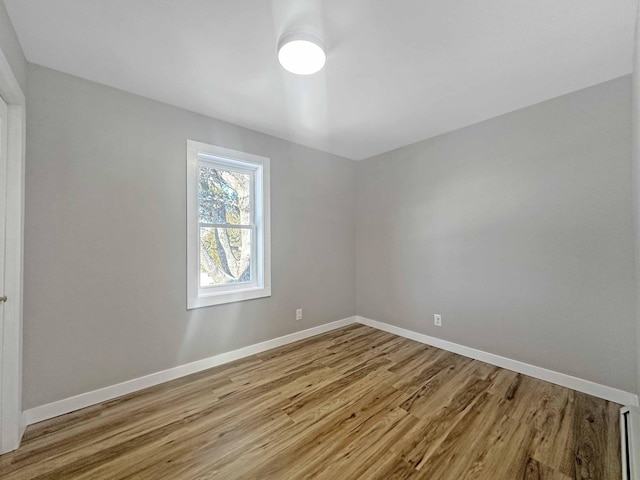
(71, 404)
(564, 380)
(23, 424)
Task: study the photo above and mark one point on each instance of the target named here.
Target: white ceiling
(397, 71)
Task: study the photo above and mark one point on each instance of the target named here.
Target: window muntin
(228, 244)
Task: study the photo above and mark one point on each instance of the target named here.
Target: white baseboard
(23, 423)
(60, 407)
(574, 383)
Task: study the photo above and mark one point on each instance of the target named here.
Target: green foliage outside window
(225, 251)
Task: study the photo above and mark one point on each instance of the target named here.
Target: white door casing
(13, 422)
(3, 214)
(12, 168)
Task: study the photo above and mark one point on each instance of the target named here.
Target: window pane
(225, 256)
(223, 196)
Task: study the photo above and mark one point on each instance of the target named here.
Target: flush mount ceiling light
(301, 53)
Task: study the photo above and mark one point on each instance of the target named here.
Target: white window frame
(258, 167)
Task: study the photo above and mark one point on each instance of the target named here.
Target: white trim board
(564, 380)
(67, 405)
(71, 404)
(11, 336)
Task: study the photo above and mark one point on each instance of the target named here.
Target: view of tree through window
(224, 208)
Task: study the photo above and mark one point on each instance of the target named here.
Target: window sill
(228, 297)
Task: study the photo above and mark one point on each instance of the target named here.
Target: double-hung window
(228, 222)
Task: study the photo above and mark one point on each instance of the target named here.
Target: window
(228, 222)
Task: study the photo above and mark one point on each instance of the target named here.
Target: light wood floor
(353, 403)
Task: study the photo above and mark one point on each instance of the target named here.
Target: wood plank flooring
(356, 403)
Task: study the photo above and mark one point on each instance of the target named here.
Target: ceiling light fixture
(301, 53)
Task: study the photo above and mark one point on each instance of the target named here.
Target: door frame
(13, 421)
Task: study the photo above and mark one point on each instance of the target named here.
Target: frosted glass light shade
(301, 53)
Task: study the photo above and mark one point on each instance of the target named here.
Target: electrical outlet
(437, 319)
(299, 314)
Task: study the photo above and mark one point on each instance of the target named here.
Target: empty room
(319, 239)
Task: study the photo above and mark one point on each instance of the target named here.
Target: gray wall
(518, 230)
(105, 273)
(10, 46)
